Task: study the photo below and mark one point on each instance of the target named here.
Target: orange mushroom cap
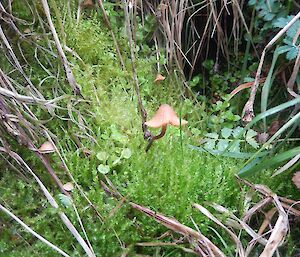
(165, 115)
(47, 147)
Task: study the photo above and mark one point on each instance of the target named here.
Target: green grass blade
(288, 165)
(294, 121)
(263, 115)
(268, 83)
(272, 111)
(270, 162)
(250, 165)
(287, 136)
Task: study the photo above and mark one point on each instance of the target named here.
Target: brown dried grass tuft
(180, 37)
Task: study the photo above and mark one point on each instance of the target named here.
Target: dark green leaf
(270, 162)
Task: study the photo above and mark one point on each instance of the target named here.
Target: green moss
(168, 179)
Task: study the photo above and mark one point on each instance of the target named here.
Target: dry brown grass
(184, 40)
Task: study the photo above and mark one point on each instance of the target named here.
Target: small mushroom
(159, 78)
(68, 186)
(296, 179)
(27, 30)
(164, 116)
(47, 147)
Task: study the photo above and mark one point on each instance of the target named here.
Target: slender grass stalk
(45, 241)
(52, 201)
(293, 121)
(69, 74)
(248, 112)
(268, 83)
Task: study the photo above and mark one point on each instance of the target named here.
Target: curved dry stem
(160, 135)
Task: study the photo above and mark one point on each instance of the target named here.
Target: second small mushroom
(164, 116)
(46, 147)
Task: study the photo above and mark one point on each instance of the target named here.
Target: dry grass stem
(234, 237)
(54, 247)
(248, 112)
(52, 201)
(295, 73)
(130, 28)
(108, 24)
(69, 74)
(200, 240)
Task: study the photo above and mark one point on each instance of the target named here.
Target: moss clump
(170, 179)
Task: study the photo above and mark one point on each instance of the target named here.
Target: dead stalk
(128, 13)
(26, 227)
(248, 112)
(108, 24)
(51, 200)
(68, 71)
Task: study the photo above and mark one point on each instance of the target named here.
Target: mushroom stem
(160, 135)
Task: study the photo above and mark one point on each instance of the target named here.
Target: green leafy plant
(291, 42)
(267, 10)
(220, 142)
(222, 116)
(273, 16)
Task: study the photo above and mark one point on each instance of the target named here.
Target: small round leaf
(65, 200)
(126, 153)
(103, 169)
(102, 156)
